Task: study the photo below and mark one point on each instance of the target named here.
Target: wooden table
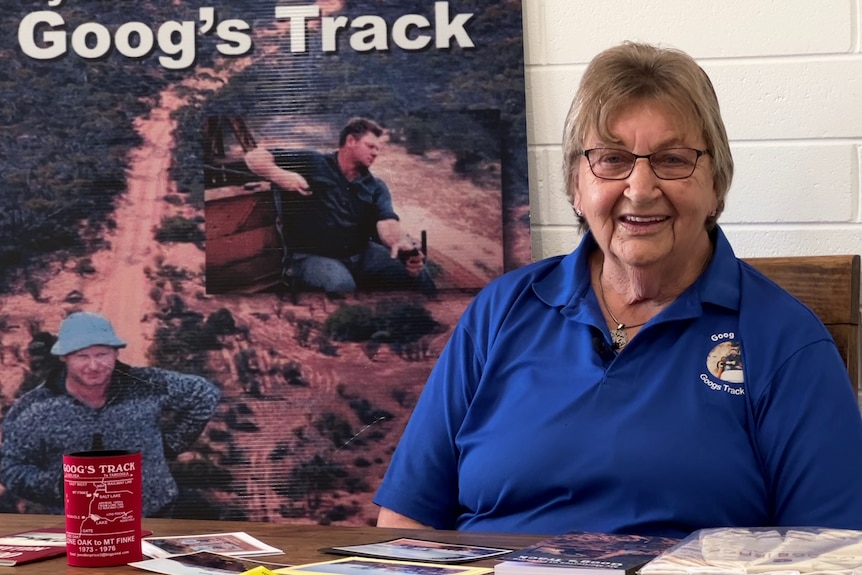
(299, 542)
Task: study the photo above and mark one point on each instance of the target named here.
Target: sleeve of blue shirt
(383, 202)
(808, 430)
(422, 479)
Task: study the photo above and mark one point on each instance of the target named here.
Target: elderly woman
(649, 382)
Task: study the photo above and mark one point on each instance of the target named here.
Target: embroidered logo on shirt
(724, 364)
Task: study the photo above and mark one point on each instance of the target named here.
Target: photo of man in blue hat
(95, 402)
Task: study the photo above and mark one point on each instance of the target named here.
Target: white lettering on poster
(45, 34)
(372, 33)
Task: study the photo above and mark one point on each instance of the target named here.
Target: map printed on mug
(103, 507)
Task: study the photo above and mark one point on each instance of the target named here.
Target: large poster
(129, 189)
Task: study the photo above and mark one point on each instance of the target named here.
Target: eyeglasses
(669, 164)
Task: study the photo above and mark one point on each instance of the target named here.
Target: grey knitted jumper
(155, 411)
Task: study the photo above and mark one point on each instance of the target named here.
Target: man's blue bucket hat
(83, 329)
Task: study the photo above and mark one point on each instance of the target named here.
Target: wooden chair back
(829, 285)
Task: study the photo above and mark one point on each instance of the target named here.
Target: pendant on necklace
(620, 337)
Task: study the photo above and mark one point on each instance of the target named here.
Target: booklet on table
(418, 550)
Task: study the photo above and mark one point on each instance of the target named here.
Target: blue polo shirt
(732, 407)
(340, 216)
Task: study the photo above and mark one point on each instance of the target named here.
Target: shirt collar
(718, 284)
(557, 289)
(365, 177)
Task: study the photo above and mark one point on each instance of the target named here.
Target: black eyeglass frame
(648, 158)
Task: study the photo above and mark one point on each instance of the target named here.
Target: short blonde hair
(634, 72)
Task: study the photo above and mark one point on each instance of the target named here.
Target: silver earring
(579, 213)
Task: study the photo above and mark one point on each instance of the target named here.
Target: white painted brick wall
(789, 78)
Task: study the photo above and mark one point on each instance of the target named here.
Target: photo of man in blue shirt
(338, 222)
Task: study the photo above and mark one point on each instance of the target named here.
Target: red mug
(103, 507)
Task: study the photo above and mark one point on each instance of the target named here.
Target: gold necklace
(618, 335)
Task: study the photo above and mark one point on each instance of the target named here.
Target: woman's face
(643, 220)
